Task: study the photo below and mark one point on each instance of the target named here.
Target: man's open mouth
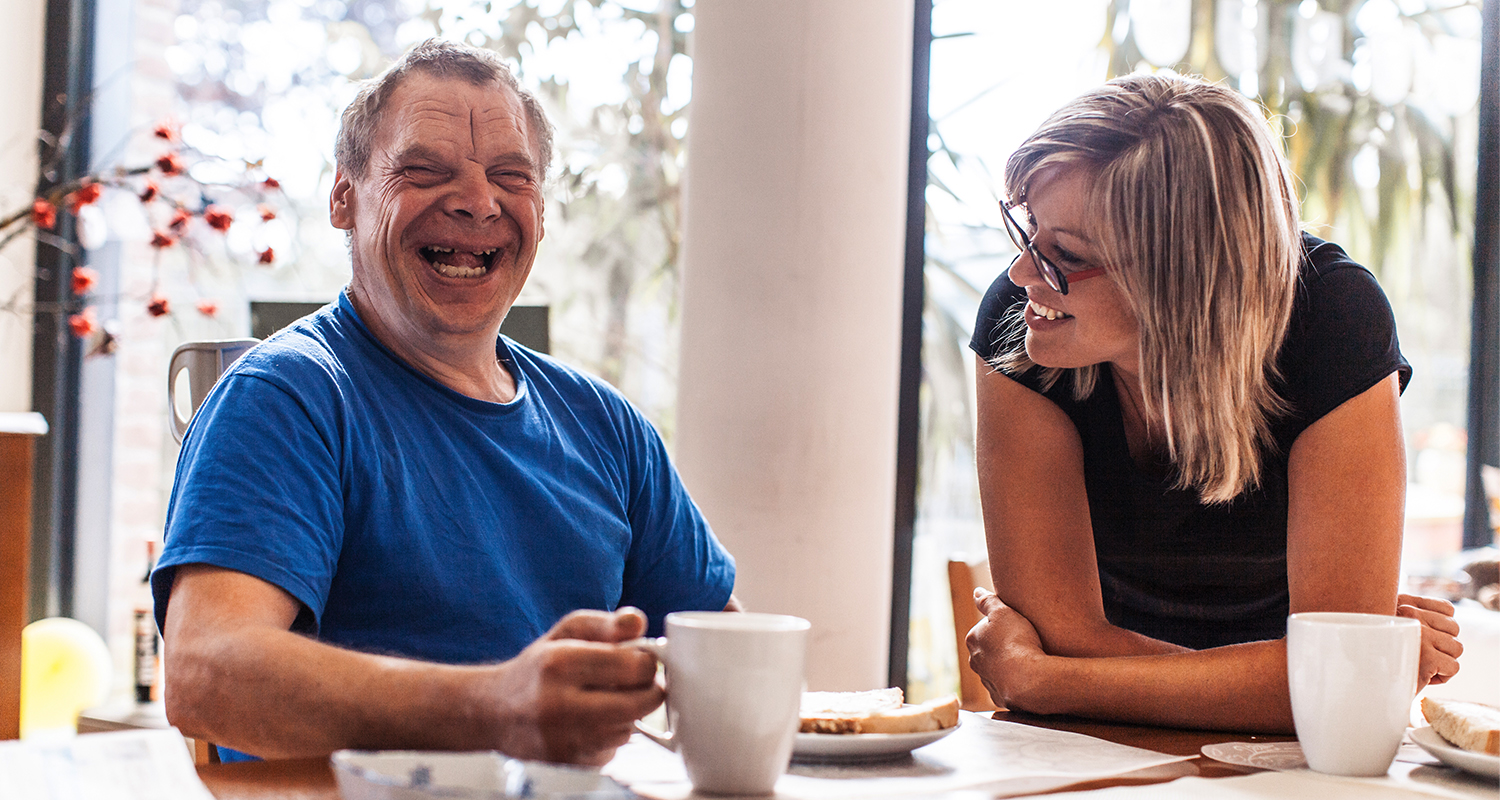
(452, 263)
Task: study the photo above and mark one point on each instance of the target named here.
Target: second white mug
(734, 687)
(1352, 678)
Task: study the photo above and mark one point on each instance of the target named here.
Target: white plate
(855, 747)
(1467, 760)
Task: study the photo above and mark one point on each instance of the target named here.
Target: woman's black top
(1171, 567)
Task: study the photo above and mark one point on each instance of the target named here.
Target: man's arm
(239, 677)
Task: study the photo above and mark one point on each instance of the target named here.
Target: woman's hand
(1440, 647)
(1004, 650)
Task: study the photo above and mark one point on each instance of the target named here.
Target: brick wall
(143, 454)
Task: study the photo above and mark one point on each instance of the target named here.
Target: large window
(1377, 102)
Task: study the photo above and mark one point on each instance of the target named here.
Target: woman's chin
(1051, 359)
(1042, 357)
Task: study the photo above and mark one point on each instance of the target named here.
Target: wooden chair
(963, 577)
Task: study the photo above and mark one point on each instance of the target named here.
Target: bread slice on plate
(1471, 726)
(878, 711)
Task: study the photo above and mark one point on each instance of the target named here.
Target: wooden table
(294, 779)
(312, 778)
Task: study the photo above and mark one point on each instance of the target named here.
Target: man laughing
(392, 527)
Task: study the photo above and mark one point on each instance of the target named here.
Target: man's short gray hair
(442, 59)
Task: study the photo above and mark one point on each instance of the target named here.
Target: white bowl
(421, 775)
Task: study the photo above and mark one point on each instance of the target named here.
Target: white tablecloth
(984, 757)
(1404, 782)
(987, 758)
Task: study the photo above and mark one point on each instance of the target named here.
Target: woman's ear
(341, 202)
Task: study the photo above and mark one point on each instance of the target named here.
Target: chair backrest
(963, 578)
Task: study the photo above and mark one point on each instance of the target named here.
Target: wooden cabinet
(18, 433)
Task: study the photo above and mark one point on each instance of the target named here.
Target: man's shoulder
(567, 382)
(562, 390)
(320, 344)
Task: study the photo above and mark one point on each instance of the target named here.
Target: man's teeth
(455, 270)
(437, 249)
(1043, 311)
(451, 271)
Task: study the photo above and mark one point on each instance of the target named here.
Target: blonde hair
(1199, 226)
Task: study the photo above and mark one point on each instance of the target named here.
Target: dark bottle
(147, 642)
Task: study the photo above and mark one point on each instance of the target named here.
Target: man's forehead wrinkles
(489, 120)
(497, 112)
(410, 126)
(433, 106)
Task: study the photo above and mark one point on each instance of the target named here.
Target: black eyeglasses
(1051, 274)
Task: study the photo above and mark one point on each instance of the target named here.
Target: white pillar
(21, 36)
(795, 214)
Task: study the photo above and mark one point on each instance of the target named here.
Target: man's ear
(341, 202)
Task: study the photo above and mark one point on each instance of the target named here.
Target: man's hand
(1440, 647)
(1004, 650)
(574, 694)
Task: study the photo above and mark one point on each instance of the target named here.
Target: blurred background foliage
(265, 80)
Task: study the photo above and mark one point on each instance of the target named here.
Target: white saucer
(1280, 756)
(1467, 760)
(855, 747)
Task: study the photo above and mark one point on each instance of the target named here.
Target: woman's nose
(1022, 271)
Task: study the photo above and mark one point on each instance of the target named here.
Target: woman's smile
(1036, 311)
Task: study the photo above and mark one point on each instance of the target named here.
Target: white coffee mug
(1352, 679)
(734, 687)
(204, 362)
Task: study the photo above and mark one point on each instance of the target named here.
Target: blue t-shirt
(411, 520)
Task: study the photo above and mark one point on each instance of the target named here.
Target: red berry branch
(172, 200)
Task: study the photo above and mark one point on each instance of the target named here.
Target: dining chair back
(963, 578)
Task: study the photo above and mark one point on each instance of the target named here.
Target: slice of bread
(851, 703)
(1471, 726)
(878, 711)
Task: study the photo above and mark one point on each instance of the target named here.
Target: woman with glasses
(1188, 421)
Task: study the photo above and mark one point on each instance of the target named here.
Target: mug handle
(656, 647)
(228, 350)
(174, 366)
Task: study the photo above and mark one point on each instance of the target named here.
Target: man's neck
(465, 363)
